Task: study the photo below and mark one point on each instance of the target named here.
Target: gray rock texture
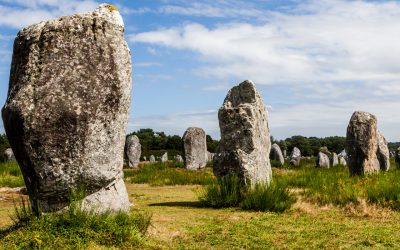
(383, 152)
(133, 150)
(362, 144)
(397, 157)
(178, 158)
(67, 109)
(342, 161)
(9, 155)
(245, 140)
(194, 148)
(164, 157)
(152, 158)
(295, 157)
(335, 159)
(323, 160)
(276, 154)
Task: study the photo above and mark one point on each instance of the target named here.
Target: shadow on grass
(195, 204)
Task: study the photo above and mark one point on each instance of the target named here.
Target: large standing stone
(133, 149)
(245, 141)
(276, 154)
(323, 160)
(295, 157)
(383, 152)
(9, 154)
(194, 148)
(67, 109)
(362, 143)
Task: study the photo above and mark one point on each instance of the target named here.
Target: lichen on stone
(111, 7)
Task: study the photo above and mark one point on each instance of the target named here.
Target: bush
(74, 228)
(230, 191)
(169, 173)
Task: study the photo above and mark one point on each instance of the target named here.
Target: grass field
(332, 211)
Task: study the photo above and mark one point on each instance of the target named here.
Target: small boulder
(295, 157)
(9, 155)
(335, 159)
(152, 159)
(164, 157)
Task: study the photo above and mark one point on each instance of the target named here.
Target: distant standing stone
(132, 151)
(276, 154)
(195, 148)
(9, 154)
(335, 159)
(67, 109)
(342, 161)
(245, 140)
(323, 160)
(295, 157)
(164, 157)
(362, 144)
(209, 157)
(178, 158)
(383, 152)
(397, 157)
(152, 158)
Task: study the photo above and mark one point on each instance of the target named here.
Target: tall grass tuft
(230, 191)
(74, 228)
(384, 189)
(224, 192)
(274, 197)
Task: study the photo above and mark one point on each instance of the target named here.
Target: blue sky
(315, 62)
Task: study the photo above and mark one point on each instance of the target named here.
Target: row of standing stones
(67, 109)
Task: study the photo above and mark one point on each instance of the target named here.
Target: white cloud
(335, 41)
(24, 13)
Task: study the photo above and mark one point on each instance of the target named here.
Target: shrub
(169, 173)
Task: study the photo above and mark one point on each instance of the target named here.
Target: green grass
(230, 191)
(169, 174)
(10, 175)
(74, 228)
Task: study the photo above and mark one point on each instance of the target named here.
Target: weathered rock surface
(323, 160)
(276, 154)
(295, 157)
(152, 158)
(133, 150)
(194, 148)
(343, 154)
(383, 152)
(164, 157)
(67, 109)
(342, 161)
(335, 159)
(9, 155)
(245, 140)
(362, 144)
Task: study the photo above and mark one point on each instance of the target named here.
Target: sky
(314, 62)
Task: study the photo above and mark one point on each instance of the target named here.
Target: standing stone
(343, 154)
(67, 109)
(144, 158)
(164, 157)
(245, 140)
(152, 159)
(209, 156)
(276, 154)
(178, 158)
(397, 157)
(9, 155)
(342, 161)
(323, 160)
(362, 143)
(195, 148)
(383, 152)
(295, 157)
(335, 159)
(132, 151)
